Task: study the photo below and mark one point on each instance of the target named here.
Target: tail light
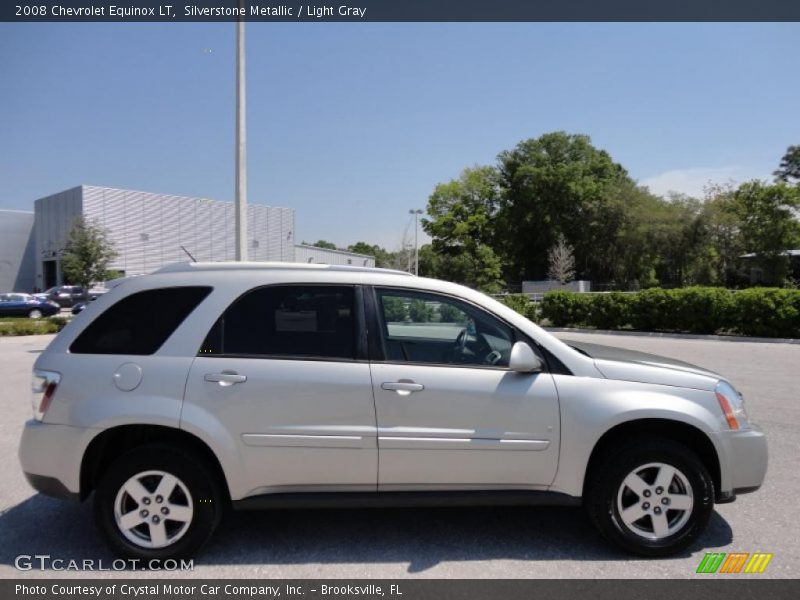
(44, 388)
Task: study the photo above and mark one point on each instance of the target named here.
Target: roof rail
(262, 266)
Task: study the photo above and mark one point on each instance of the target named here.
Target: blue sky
(353, 124)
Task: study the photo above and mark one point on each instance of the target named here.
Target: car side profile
(259, 385)
(66, 296)
(26, 305)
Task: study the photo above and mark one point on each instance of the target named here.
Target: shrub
(523, 305)
(420, 312)
(395, 309)
(565, 308)
(610, 311)
(24, 326)
(701, 310)
(653, 310)
(768, 312)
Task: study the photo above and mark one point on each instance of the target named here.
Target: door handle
(225, 378)
(403, 388)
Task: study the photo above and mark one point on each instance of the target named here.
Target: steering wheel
(461, 343)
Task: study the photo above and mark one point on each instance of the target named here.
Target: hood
(631, 365)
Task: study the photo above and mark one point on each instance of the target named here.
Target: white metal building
(148, 230)
(311, 254)
(17, 258)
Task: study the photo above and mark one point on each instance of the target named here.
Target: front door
(282, 371)
(450, 413)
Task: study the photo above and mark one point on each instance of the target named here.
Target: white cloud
(692, 181)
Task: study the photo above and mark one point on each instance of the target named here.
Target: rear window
(304, 321)
(139, 323)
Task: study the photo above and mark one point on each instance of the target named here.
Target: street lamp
(241, 147)
(416, 212)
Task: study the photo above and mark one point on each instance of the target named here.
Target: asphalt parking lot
(440, 543)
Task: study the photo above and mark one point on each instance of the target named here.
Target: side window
(427, 328)
(291, 321)
(140, 323)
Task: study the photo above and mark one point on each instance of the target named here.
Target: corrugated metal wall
(53, 219)
(312, 254)
(17, 251)
(149, 229)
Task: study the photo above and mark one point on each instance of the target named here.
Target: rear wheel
(650, 497)
(35, 314)
(158, 502)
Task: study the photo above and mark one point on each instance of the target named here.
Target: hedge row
(25, 326)
(521, 304)
(766, 312)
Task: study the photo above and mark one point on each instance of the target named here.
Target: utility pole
(416, 212)
(241, 147)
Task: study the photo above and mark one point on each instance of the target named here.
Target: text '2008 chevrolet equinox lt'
(201, 386)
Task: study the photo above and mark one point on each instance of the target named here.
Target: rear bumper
(51, 457)
(51, 486)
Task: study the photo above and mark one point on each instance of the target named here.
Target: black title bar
(400, 10)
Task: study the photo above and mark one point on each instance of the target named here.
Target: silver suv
(204, 386)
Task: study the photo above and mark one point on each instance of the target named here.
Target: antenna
(189, 254)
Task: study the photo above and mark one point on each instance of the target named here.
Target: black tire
(201, 481)
(613, 467)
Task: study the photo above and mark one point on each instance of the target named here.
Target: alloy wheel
(655, 501)
(153, 509)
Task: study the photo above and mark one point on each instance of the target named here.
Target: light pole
(241, 148)
(416, 212)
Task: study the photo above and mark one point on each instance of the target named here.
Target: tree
(87, 254)
(790, 166)
(323, 244)
(559, 184)
(769, 225)
(561, 262)
(382, 257)
(461, 221)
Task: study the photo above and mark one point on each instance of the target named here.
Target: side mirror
(524, 360)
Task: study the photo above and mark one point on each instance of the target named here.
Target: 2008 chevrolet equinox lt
(201, 386)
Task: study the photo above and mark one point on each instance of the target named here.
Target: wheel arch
(679, 431)
(112, 443)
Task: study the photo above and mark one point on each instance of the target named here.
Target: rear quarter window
(140, 323)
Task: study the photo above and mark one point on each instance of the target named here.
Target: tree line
(559, 195)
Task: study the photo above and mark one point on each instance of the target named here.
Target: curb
(677, 336)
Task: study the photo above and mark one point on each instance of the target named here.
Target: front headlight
(732, 405)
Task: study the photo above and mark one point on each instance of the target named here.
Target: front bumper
(743, 462)
(51, 457)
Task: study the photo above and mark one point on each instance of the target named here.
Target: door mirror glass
(524, 359)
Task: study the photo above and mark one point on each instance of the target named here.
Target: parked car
(267, 386)
(26, 305)
(79, 308)
(65, 295)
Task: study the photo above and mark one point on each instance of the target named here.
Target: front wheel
(158, 502)
(650, 497)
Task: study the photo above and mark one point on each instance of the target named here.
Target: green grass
(24, 326)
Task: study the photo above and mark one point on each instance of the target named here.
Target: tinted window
(428, 328)
(295, 321)
(139, 323)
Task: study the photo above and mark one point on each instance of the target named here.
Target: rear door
(284, 370)
(451, 415)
